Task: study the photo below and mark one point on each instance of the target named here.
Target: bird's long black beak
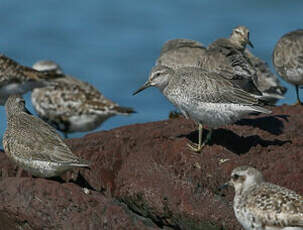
(143, 87)
(250, 44)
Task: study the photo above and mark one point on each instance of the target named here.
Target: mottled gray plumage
(259, 205)
(181, 52)
(226, 56)
(206, 97)
(34, 145)
(15, 78)
(268, 83)
(288, 58)
(71, 105)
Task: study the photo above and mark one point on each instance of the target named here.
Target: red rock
(28, 203)
(149, 168)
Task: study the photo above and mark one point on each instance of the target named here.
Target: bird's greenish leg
(195, 147)
(208, 136)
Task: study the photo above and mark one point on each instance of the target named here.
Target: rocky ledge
(143, 176)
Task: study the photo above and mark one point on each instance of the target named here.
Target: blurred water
(113, 44)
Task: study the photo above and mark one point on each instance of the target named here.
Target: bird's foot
(195, 147)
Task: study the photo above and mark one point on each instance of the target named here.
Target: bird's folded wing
(73, 98)
(39, 141)
(211, 87)
(277, 206)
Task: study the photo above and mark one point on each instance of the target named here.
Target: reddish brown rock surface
(145, 177)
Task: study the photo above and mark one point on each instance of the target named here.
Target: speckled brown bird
(19, 79)
(34, 145)
(71, 105)
(259, 205)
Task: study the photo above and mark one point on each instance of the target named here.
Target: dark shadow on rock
(54, 178)
(271, 124)
(233, 142)
(80, 181)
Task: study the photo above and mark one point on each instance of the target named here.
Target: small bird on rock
(259, 205)
(34, 145)
(231, 57)
(206, 97)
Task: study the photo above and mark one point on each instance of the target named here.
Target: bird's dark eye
(235, 177)
(157, 74)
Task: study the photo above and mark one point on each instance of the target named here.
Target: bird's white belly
(215, 115)
(40, 168)
(295, 76)
(85, 122)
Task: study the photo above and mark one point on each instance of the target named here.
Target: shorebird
(206, 97)
(19, 79)
(231, 58)
(288, 59)
(225, 56)
(259, 205)
(34, 145)
(71, 105)
(181, 52)
(238, 39)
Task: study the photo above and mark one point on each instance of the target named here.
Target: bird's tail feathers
(124, 110)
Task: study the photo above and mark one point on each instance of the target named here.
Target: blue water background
(114, 44)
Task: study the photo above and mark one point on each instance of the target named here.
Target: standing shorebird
(288, 59)
(206, 97)
(259, 205)
(18, 79)
(34, 145)
(226, 56)
(71, 105)
(230, 57)
(181, 52)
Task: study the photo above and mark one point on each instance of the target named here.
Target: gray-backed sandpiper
(206, 97)
(288, 58)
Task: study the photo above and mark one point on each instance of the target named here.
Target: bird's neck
(238, 44)
(13, 112)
